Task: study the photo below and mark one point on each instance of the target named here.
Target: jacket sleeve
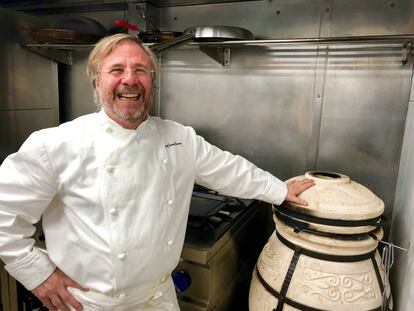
(234, 175)
(27, 185)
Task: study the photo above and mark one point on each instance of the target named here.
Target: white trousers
(159, 298)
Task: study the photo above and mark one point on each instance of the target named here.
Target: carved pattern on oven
(347, 288)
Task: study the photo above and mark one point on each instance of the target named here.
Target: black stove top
(211, 215)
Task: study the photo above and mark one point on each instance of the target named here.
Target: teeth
(129, 96)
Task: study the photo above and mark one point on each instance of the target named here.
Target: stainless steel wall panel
(259, 107)
(76, 88)
(29, 97)
(300, 18)
(364, 109)
(30, 80)
(266, 19)
(17, 125)
(372, 17)
(402, 232)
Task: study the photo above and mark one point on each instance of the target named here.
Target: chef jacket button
(121, 256)
(170, 202)
(170, 242)
(109, 130)
(157, 295)
(165, 161)
(113, 211)
(122, 295)
(110, 169)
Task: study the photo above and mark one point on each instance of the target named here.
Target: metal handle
(163, 45)
(387, 261)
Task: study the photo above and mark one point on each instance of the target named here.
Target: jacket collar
(106, 122)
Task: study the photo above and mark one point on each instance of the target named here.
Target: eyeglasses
(119, 72)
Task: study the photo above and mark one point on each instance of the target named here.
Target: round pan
(156, 36)
(219, 33)
(205, 33)
(62, 36)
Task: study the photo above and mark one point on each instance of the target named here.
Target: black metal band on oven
(276, 294)
(379, 279)
(304, 226)
(326, 257)
(288, 278)
(377, 273)
(328, 221)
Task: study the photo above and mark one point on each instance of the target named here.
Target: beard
(131, 114)
(129, 111)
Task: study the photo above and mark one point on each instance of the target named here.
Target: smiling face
(124, 84)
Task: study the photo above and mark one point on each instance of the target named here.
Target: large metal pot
(323, 256)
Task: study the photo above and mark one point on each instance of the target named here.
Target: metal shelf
(220, 50)
(58, 52)
(376, 39)
(402, 43)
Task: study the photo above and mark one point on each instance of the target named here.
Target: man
(114, 189)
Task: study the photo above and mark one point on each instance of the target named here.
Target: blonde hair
(105, 46)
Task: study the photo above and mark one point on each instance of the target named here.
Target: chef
(113, 189)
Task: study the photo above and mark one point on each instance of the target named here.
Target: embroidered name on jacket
(172, 144)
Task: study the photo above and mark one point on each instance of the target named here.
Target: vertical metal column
(319, 85)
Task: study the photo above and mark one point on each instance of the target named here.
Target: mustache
(135, 88)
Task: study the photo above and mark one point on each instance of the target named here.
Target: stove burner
(210, 216)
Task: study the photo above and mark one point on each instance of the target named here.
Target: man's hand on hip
(53, 292)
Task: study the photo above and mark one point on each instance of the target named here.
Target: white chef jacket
(114, 201)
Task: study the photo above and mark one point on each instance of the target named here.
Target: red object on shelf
(125, 24)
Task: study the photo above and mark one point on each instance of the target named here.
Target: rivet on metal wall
(327, 9)
(392, 4)
(277, 12)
